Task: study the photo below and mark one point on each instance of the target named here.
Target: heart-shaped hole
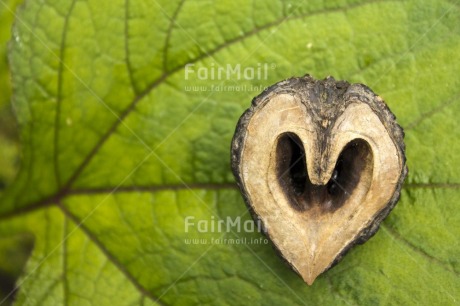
(292, 173)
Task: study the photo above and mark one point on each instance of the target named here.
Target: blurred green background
(14, 251)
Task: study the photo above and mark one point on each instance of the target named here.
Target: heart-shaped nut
(320, 164)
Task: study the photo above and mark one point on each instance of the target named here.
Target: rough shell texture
(328, 99)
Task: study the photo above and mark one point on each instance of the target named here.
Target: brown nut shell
(320, 163)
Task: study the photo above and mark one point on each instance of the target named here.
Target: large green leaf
(8, 129)
(14, 249)
(119, 149)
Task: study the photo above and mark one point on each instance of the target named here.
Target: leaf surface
(120, 146)
(8, 130)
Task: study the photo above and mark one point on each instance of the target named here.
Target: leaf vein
(131, 106)
(169, 34)
(153, 188)
(432, 185)
(439, 108)
(91, 236)
(419, 250)
(60, 81)
(127, 52)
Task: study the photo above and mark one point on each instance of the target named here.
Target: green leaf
(14, 249)
(8, 129)
(120, 147)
